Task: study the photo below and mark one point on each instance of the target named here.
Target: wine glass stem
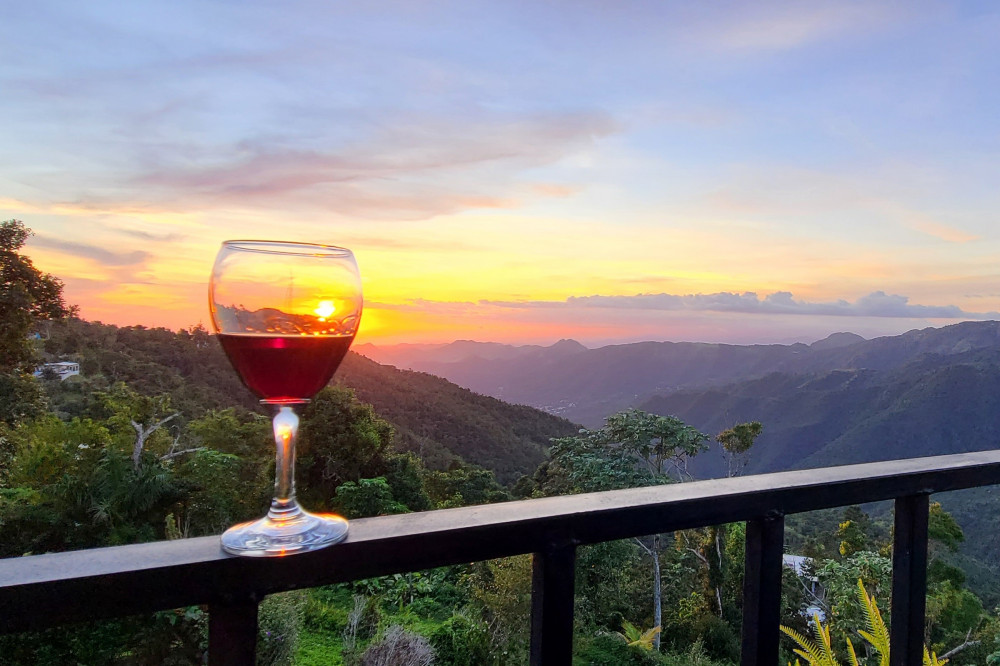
(286, 430)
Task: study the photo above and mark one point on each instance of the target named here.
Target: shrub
(611, 650)
(462, 641)
(279, 621)
(398, 648)
(720, 640)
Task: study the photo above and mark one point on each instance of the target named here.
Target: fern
(877, 634)
(852, 653)
(820, 652)
(931, 658)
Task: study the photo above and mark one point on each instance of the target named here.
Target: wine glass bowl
(285, 314)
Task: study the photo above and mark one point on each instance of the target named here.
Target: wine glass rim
(287, 247)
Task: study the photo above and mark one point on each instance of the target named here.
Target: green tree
(840, 580)
(242, 434)
(27, 297)
(220, 489)
(855, 532)
(405, 475)
(463, 485)
(341, 440)
(279, 622)
(74, 489)
(875, 632)
(736, 443)
(708, 544)
(366, 497)
(229, 473)
(502, 588)
(942, 528)
(145, 415)
(956, 621)
(633, 448)
(664, 444)
(21, 398)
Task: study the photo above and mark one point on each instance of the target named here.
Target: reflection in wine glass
(285, 314)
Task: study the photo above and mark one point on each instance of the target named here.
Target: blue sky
(495, 165)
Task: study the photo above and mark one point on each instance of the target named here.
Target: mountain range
(586, 385)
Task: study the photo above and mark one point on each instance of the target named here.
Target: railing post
(232, 633)
(909, 581)
(553, 577)
(762, 591)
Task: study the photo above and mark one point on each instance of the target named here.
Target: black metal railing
(41, 591)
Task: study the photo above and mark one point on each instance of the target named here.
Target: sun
(325, 309)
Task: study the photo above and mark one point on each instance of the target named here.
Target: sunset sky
(520, 171)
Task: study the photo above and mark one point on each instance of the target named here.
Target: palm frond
(637, 638)
(629, 632)
(646, 640)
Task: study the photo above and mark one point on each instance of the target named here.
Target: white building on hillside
(62, 369)
(801, 565)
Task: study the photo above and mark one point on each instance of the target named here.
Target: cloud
(552, 190)
(924, 223)
(417, 169)
(439, 307)
(99, 254)
(771, 27)
(769, 192)
(149, 236)
(408, 243)
(876, 304)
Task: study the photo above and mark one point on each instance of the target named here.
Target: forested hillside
(438, 419)
(432, 416)
(933, 405)
(936, 404)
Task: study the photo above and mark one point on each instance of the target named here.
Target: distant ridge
(586, 385)
(403, 355)
(836, 340)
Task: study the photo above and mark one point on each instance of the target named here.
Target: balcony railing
(41, 591)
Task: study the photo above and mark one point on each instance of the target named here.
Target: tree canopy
(27, 296)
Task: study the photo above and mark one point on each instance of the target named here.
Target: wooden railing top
(46, 590)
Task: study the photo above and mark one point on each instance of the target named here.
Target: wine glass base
(267, 537)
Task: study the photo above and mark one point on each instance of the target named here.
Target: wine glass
(286, 314)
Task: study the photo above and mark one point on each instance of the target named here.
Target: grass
(319, 647)
(321, 639)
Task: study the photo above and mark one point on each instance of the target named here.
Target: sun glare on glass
(325, 309)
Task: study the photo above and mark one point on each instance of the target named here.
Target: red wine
(280, 368)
